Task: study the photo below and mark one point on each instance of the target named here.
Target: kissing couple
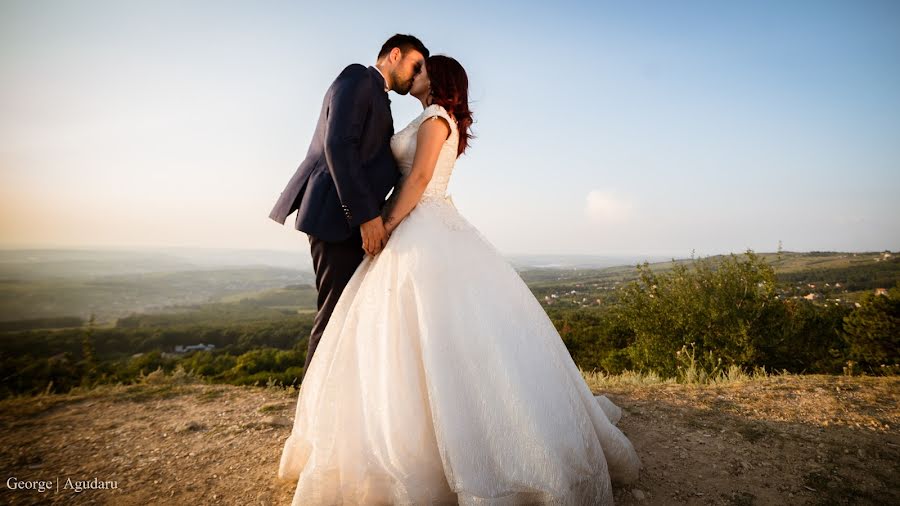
(438, 378)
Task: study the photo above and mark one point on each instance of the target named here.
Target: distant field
(76, 288)
(114, 296)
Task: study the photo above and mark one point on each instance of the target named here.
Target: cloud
(607, 207)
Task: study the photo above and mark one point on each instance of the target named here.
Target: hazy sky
(602, 127)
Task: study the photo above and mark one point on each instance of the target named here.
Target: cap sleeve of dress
(434, 111)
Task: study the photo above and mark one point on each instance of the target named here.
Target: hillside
(773, 440)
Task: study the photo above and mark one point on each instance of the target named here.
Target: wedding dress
(440, 379)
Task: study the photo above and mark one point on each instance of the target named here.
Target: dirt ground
(806, 440)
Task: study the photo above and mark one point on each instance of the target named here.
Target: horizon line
(107, 247)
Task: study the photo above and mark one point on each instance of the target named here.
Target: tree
(88, 353)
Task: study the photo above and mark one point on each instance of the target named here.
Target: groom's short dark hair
(405, 43)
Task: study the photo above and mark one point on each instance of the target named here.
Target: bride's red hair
(450, 90)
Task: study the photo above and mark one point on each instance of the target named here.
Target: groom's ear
(395, 55)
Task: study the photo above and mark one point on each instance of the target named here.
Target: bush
(727, 311)
(809, 340)
(872, 331)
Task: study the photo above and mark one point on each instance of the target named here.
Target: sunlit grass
(690, 375)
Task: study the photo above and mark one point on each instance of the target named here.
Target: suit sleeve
(350, 104)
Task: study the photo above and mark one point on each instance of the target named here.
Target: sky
(658, 128)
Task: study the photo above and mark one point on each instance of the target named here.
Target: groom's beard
(403, 87)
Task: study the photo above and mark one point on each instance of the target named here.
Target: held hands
(374, 235)
(377, 231)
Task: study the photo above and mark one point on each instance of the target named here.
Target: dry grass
(734, 438)
(761, 438)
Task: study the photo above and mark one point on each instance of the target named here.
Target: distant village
(827, 293)
(182, 349)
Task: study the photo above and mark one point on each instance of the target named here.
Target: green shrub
(872, 331)
(727, 307)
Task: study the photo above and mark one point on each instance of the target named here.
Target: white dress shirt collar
(386, 87)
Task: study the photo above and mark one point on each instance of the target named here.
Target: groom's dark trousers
(334, 264)
(342, 183)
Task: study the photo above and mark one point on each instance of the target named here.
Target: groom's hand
(373, 235)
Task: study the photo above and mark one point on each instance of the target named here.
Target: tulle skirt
(440, 380)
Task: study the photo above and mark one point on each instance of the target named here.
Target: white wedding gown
(440, 379)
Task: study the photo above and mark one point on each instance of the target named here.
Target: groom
(339, 188)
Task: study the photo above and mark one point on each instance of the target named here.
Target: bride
(439, 378)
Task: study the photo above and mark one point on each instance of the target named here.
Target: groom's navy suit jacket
(349, 168)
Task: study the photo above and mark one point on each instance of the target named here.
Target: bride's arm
(429, 140)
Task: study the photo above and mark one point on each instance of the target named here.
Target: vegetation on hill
(730, 312)
(690, 319)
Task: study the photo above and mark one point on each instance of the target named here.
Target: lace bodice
(403, 146)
